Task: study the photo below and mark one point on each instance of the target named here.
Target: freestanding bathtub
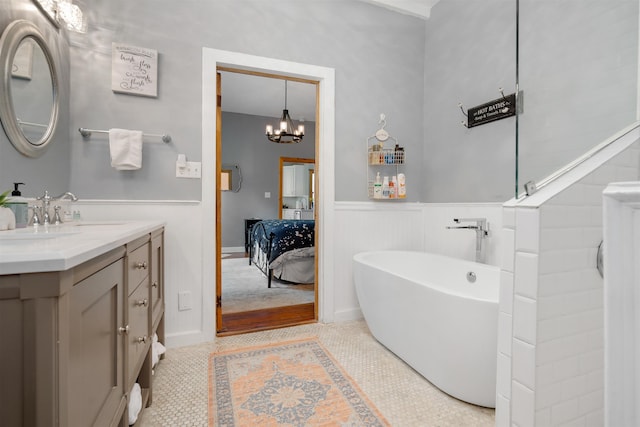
(429, 311)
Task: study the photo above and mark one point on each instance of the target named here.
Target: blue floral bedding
(288, 234)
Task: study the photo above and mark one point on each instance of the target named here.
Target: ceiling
(263, 96)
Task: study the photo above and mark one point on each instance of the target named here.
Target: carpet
(296, 383)
(244, 287)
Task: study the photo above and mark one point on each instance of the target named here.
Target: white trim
(137, 202)
(211, 58)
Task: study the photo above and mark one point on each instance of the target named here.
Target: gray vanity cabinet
(73, 342)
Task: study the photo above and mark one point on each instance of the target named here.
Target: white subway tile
(505, 333)
(555, 239)
(522, 405)
(595, 419)
(563, 261)
(503, 411)
(503, 376)
(576, 422)
(524, 363)
(509, 218)
(574, 387)
(524, 319)
(548, 395)
(526, 275)
(543, 417)
(527, 230)
(595, 380)
(561, 283)
(564, 411)
(550, 306)
(591, 361)
(566, 368)
(506, 292)
(591, 402)
(550, 351)
(508, 249)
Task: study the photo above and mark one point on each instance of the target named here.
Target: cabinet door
(288, 181)
(96, 349)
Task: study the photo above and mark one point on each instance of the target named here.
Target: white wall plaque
(134, 70)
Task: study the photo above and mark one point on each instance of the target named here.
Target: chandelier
(285, 134)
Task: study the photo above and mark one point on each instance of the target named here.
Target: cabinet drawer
(137, 266)
(139, 339)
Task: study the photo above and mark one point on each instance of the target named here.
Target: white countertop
(60, 247)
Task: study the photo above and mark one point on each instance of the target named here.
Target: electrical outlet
(184, 301)
(190, 170)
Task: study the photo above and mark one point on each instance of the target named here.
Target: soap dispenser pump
(19, 205)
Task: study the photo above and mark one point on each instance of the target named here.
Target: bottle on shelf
(402, 189)
(385, 187)
(392, 187)
(377, 187)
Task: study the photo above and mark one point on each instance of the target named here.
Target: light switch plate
(191, 170)
(184, 300)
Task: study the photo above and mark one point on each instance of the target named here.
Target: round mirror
(29, 96)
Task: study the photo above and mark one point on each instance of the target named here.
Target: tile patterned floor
(404, 397)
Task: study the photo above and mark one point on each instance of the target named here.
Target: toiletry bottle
(19, 205)
(377, 187)
(402, 189)
(385, 187)
(392, 187)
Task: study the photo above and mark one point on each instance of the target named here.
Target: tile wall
(551, 339)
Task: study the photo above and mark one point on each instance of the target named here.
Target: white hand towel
(125, 147)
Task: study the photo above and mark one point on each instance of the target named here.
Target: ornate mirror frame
(11, 38)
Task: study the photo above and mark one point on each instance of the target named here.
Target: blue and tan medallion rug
(295, 383)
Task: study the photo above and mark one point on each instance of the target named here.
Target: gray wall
(579, 72)
(51, 171)
(244, 144)
(470, 53)
(377, 54)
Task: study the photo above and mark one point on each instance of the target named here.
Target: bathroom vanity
(79, 305)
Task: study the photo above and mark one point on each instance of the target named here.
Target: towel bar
(86, 133)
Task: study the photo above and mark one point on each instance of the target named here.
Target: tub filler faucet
(481, 228)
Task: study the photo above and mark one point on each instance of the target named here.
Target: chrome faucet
(46, 202)
(481, 228)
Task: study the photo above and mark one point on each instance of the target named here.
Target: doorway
(237, 274)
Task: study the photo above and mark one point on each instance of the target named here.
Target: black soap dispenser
(19, 205)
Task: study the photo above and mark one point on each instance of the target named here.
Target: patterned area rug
(296, 383)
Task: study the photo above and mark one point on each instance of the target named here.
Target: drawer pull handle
(123, 330)
(142, 303)
(143, 339)
(155, 284)
(141, 265)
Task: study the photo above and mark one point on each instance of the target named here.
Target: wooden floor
(269, 318)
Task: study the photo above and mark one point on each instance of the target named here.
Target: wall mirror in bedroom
(267, 254)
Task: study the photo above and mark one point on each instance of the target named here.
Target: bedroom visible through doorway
(247, 299)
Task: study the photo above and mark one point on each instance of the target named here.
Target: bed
(284, 249)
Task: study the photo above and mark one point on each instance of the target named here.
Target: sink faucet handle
(56, 217)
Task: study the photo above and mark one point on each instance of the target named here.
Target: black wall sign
(491, 111)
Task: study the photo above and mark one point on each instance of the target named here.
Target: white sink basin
(35, 233)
